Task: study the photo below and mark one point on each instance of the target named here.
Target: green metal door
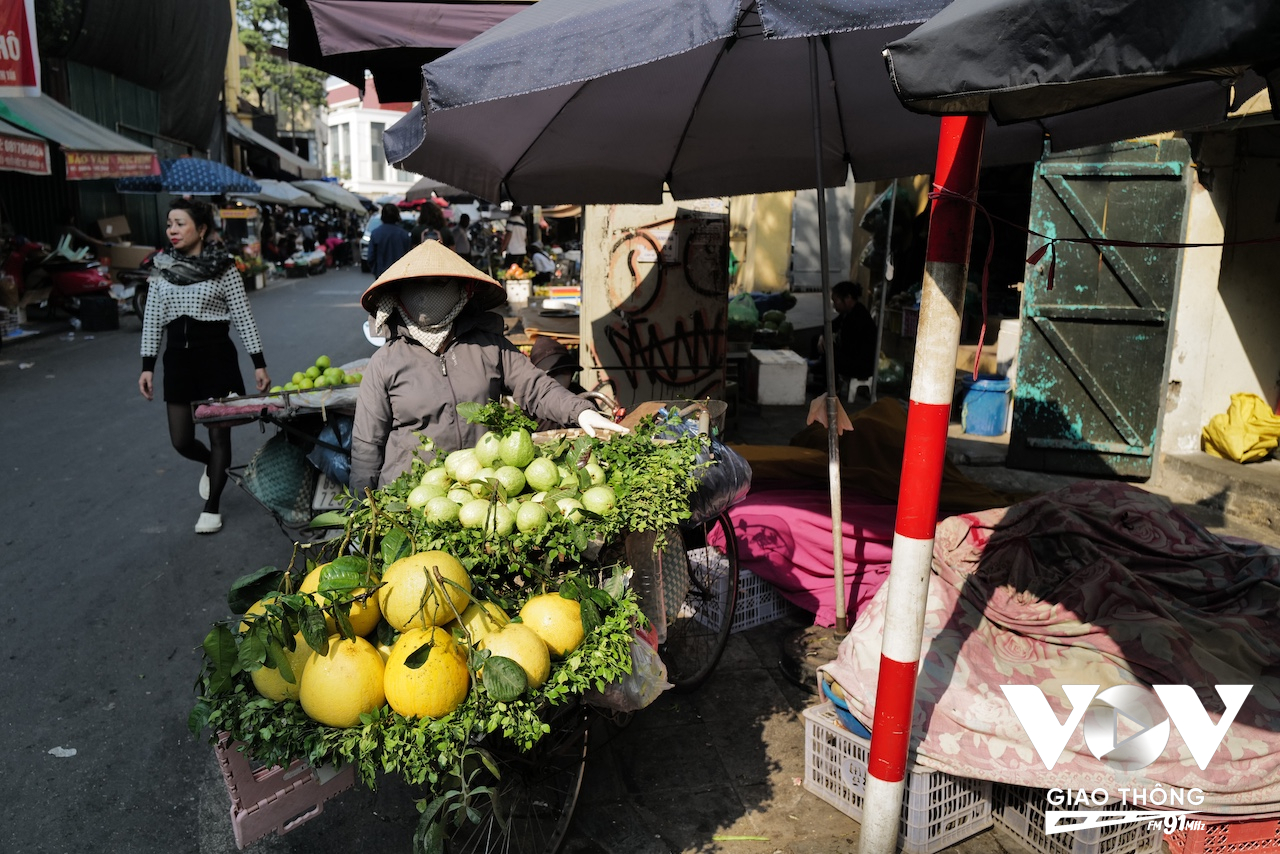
(1093, 351)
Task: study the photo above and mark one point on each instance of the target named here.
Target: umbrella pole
(833, 400)
(886, 281)
(932, 384)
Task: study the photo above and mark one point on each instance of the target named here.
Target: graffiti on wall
(667, 286)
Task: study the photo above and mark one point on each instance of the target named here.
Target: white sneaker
(209, 523)
(204, 484)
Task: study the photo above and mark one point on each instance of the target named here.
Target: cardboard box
(114, 229)
(777, 377)
(124, 257)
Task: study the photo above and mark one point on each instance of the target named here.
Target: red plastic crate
(275, 800)
(1225, 835)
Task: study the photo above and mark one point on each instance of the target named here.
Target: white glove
(593, 423)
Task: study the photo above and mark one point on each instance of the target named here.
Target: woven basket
(280, 477)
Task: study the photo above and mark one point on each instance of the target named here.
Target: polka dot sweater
(220, 299)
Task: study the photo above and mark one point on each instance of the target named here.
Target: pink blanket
(1098, 584)
(784, 537)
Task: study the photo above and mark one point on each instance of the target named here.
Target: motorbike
(130, 288)
(57, 280)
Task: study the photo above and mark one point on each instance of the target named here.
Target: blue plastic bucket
(986, 406)
(842, 712)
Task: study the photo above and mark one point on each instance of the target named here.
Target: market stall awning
(22, 152)
(91, 150)
(289, 162)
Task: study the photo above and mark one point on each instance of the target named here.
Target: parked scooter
(55, 281)
(131, 287)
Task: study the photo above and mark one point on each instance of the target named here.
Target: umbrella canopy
(996, 56)
(390, 38)
(274, 192)
(331, 194)
(192, 176)
(734, 116)
(425, 188)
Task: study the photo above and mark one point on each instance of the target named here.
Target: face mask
(429, 304)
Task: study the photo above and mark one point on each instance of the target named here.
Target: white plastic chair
(855, 384)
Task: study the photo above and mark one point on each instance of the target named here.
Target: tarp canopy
(993, 56)
(391, 38)
(176, 49)
(22, 152)
(91, 151)
(289, 162)
(331, 194)
(281, 193)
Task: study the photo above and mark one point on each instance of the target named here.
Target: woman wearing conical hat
(445, 346)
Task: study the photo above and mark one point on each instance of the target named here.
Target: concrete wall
(806, 268)
(1225, 338)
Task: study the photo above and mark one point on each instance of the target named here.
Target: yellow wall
(761, 239)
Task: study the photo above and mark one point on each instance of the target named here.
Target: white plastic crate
(938, 810)
(1019, 811)
(759, 602)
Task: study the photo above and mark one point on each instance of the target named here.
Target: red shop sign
(86, 165)
(19, 62)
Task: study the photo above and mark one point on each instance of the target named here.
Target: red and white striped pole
(932, 382)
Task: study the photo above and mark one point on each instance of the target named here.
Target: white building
(355, 151)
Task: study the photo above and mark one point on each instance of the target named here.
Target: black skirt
(200, 361)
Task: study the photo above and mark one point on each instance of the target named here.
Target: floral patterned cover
(1098, 583)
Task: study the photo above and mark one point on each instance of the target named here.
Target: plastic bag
(335, 464)
(720, 486)
(742, 308)
(639, 688)
(1247, 431)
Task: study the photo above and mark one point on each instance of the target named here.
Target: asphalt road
(110, 593)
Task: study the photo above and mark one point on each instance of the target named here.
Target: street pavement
(110, 594)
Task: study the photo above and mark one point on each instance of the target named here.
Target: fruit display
(464, 600)
(323, 374)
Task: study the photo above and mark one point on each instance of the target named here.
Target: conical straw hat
(432, 259)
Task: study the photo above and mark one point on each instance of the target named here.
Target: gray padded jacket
(407, 389)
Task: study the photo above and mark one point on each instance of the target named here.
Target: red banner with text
(24, 154)
(19, 61)
(86, 165)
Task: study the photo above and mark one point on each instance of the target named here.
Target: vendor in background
(854, 337)
(445, 345)
(514, 238)
(462, 237)
(543, 267)
(195, 293)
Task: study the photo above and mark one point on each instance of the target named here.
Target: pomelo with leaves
(426, 674)
(523, 646)
(343, 684)
(424, 590)
(555, 619)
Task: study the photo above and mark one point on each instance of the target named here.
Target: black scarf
(189, 269)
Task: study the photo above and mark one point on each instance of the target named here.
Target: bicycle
(535, 792)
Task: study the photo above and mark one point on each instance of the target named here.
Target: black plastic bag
(720, 486)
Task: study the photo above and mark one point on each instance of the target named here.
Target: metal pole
(833, 401)
(932, 383)
(884, 288)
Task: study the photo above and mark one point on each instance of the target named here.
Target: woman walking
(195, 294)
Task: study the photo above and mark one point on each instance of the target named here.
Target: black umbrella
(390, 38)
(1024, 60)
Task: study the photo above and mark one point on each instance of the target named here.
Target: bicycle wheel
(699, 629)
(530, 810)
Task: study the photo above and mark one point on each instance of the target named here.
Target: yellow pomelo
(435, 688)
(521, 645)
(267, 680)
(411, 596)
(364, 615)
(558, 621)
(481, 618)
(339, 687)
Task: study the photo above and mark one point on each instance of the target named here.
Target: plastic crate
(759, 602)
(1020, 810)
(275, 800)
(1223, 835)
(938, 810)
